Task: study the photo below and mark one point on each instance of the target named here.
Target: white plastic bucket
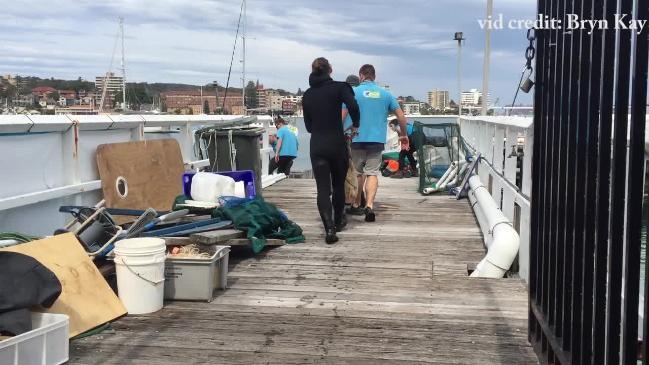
(140, 266)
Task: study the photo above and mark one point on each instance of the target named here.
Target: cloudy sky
(409, 41)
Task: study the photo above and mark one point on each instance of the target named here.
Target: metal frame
(584, 254)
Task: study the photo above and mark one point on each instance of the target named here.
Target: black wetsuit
(322, 105)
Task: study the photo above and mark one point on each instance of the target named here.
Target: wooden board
(271, 242)
(86, 297)
(216, 237)
(152, 170)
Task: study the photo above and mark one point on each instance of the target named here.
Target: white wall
(49, 161)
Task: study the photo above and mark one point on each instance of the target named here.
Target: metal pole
(243, 38)
(459, 37)
(487, 59)
(121, 28)
(459, 75)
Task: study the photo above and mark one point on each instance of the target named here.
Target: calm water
(303, 161)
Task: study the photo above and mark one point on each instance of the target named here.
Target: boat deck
(394, 291)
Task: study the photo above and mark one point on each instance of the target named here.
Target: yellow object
(86, 297)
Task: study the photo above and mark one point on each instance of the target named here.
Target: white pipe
(449, 178)
(505, 241)
(456, 177)
(482, 220)
(448, 171)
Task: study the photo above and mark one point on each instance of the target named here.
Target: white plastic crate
(46, 344)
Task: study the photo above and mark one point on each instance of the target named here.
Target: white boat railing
(499, 140)
(49, 161)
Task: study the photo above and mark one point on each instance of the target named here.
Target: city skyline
(167, 41)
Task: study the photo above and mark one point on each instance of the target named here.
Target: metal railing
(505, 144)
(588, 185)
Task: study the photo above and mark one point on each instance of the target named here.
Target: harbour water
(303, 162)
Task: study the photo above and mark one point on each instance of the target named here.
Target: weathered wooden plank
(396, 291)
(271, 242)
(218, 236)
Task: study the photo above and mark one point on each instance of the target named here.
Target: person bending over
(321, 104)
(285, 149)
(406, 153)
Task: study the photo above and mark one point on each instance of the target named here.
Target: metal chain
(530, 53)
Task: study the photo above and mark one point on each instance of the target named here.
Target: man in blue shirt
(286, 148)
(375, 105)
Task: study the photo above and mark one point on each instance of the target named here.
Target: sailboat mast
(121, 29)
(243, 78)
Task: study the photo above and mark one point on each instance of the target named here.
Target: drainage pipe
(505, 242)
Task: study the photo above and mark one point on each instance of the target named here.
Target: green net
(439, 146)
(261, 220)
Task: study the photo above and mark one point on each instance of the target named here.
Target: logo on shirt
(372, 94)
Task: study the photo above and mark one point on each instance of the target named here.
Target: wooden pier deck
(394, 291)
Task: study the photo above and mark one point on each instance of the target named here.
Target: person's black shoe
(369, 215)
(341, 225)
(355, 210)
(330, 236)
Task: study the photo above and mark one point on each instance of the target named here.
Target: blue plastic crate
(247, 176)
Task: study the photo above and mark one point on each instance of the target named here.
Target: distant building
(24, 100)
(411, 108)
(294, 98)
(191, 102)
(472, 98)
(9, 79)
(113, 87)
(76, 110)
(265, 98)
(276, 102)
(43, 92)
(439, 99)
(289, 106)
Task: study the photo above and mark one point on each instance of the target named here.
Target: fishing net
(439, 145)
(260, 220)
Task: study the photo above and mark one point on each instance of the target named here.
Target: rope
(236, 37)
(233, 152)
(190, 251)
(21, 238)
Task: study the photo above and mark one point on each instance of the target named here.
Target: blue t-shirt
(410, 128)
(375, 104)
(347, 123)
(289, 142)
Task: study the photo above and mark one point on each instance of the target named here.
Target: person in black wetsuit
(329, 157)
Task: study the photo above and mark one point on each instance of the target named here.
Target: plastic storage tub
(247, 176)
(197, 279)
(46, 344)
